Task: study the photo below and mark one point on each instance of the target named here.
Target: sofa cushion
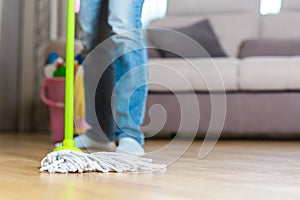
(201, 32)
(282, 26)
(231, 28)
(189, 7)
(290, 5)
(270, 73)
(270, 47)
(181, 75)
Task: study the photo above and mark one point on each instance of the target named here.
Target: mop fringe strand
(68, 161)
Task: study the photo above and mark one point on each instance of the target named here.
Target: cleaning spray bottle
(53, 61)
(60, 71)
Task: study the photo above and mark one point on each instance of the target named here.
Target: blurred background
(27, 28)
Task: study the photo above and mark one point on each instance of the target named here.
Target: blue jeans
(102, 19)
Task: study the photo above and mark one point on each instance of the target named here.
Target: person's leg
(93, 27)
(124, 16)
(88, 20)
(106, 83)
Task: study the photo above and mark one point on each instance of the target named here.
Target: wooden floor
(234, 170)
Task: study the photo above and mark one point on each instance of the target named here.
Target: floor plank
(234, 170)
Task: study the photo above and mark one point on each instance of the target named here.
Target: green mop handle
(68, 143)
(69, 95)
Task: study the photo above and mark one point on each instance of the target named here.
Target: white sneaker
(130, 146)
(84, 142)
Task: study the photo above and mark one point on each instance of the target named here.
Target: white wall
(270, 6)
(153, 9)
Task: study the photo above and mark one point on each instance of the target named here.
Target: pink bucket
(53, 95)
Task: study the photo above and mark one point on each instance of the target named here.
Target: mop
(68, 158)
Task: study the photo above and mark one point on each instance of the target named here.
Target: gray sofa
(262, 90)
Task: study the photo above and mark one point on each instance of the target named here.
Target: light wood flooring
(234, 170)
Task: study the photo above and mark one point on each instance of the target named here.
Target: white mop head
(71, 161)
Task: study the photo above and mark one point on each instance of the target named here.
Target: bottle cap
(60, 72)
(79, 59)
(52, 57)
